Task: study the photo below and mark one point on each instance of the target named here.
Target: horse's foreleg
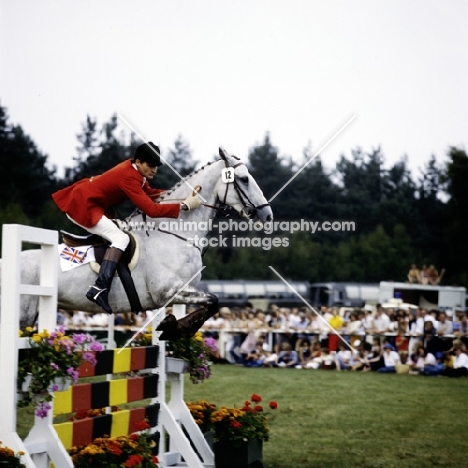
(187, 326)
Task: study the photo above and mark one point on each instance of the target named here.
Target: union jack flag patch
(73, 255)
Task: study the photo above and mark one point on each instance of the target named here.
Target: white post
(13, 237)
(175, 414)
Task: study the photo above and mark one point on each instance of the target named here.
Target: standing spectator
(391, 358)
(444, 327)
(416, 328)
(462, 326)
(382, 321)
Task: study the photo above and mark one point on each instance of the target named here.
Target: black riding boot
(100, 291)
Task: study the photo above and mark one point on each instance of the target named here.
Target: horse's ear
(229, 159)
(224, 155)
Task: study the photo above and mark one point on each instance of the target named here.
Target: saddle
(125, 265)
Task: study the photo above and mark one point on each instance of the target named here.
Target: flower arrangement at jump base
(197, 352)
(51, 361)
(133, 451)
(248, 422)
(238, 433)
(9, 458)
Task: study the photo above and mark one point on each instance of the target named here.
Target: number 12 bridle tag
(227, 175)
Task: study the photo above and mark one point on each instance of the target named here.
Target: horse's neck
(196, 222)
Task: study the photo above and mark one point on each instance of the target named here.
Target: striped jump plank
(120, 423)
(114, 361)
(98, 395)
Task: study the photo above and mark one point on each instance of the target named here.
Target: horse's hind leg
(187, 326)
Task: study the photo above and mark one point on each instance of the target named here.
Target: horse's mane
(176, 186)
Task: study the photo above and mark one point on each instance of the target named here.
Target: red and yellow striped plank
(98, 395)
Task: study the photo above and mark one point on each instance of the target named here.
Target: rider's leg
(99, 292)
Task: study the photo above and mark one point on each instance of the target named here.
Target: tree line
(399, 219)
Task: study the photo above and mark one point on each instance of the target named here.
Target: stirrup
(94, 298)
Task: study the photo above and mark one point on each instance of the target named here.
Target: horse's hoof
(189, 325)
(168, 323)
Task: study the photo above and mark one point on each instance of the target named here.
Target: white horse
(167, 259)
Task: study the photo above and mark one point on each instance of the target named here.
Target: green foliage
(398, 221)
(180, 158)
(25, 179)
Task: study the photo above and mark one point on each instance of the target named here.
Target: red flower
(235, 424)
(258, 408)
(256, 398)
(115, 449)
(141, 425)
(273, 404)
(133, 460)
(155, 459)
(246, 403)
(246, 408)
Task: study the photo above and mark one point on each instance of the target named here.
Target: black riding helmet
(149, 153)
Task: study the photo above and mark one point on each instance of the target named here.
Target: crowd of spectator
(406, 340)
(391, 339)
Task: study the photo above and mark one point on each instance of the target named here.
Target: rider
(88, 204)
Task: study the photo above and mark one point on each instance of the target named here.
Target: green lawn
(332, 419)
(329, 419)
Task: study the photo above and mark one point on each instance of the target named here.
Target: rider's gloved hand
(193, 201)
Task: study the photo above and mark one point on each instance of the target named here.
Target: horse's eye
(244, 180)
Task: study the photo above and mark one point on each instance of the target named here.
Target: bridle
(244, 198)
(221, 206)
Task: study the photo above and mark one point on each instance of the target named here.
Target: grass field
(329, 419)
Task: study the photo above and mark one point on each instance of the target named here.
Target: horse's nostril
(269, 218)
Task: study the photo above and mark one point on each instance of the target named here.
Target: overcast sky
(226, 72)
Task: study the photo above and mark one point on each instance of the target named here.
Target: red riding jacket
(87, 200)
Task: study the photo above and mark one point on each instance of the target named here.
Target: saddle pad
(72, 257)
(133, 261)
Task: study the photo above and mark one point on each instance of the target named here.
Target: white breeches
(109, 231)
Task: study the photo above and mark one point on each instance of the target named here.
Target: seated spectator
(365, 358)
(429, 331)
(343, 357)
(415, 359)
(314, 360)
(433, 276)
(413, 275)
(304, 352)
(460, 364)
(257, 357)
(391, 359)
(431, 365)
(287, 357)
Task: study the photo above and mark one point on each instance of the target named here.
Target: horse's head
(238, 189)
